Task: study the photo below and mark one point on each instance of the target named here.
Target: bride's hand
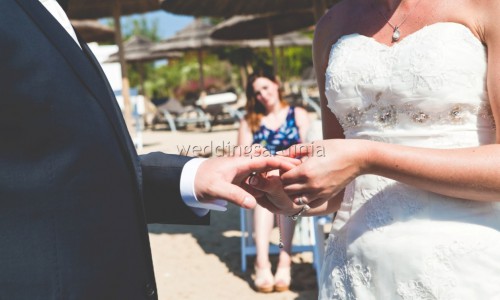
(327, 167)
(272, 196)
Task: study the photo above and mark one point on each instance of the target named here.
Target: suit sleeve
(163, 203)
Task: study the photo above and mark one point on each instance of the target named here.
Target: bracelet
(302, 210)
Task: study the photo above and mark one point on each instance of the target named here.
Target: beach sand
(203, 262)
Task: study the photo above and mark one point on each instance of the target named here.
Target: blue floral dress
(280, 139)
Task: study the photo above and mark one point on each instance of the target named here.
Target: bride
(411, 164)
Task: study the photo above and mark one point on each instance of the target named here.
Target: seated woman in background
(275, 125)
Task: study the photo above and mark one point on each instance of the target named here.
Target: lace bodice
(432, 83)
(390, 240)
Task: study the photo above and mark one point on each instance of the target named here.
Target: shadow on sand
(225, 230)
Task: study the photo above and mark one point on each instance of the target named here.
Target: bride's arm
(322, 44)
(490, 32)
(470, 173)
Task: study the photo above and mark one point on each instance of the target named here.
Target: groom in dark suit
(74, 196)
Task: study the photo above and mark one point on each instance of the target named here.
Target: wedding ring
(252, 175)
(303, 209)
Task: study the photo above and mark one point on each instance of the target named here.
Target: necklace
(396, 33)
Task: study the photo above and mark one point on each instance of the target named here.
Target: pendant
(281, 245)
(396, 34)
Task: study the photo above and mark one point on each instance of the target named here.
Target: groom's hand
(272, 196)
(226, 177)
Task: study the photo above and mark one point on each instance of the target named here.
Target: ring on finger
(300, 200)
(251, 176)
(302, 210)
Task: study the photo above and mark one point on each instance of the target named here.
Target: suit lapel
(121, 122)
(72, 54)
(87, 69)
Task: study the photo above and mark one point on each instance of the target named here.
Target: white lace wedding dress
(390, 240)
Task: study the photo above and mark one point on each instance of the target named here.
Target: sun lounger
(176, 116)
(221, 108)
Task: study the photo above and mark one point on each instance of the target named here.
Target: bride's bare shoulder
(488, 10)
(484, 17)
(332, 21)
(331, 26)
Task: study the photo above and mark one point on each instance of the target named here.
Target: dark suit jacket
(74, 196)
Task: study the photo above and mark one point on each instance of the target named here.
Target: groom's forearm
(163, 203)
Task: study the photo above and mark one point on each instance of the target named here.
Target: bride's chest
(433, 60)
(434, 77)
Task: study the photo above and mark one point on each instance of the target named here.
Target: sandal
(264, 281)
(282, 279)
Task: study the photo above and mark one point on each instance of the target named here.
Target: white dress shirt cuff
(188, 194)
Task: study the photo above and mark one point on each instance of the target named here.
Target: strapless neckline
(432, 81)
(413, 35)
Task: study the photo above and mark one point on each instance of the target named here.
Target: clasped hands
(304, 174)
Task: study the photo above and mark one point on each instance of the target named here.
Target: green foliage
(291, 60)
(180, 78)
(295, 60)
(140, 26)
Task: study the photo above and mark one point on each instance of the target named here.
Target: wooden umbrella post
(282, 64)
(270, 35)
(142, 75)
(319, 7)
(127, 107)
(200, 66)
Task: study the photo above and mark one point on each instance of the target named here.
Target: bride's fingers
(295, 175)
(301, 200)
(286, 208)
(254, 192)
(296, 189)
(301, 195)
(297, 151)
(258, 150)
(264, 202)
(270, 184)
(294, 161)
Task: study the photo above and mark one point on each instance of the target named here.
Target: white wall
(112, 70)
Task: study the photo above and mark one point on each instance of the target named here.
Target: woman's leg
(282, 277)
(287, 230)
(263, 225)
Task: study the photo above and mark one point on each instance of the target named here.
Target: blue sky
(168, 23)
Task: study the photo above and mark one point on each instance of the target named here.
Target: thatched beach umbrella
(93, 31)
(258, 26)
(229, 8)
(139, 50)
(291, 39)
(84, 9)
(262, 26)
(94, 9)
